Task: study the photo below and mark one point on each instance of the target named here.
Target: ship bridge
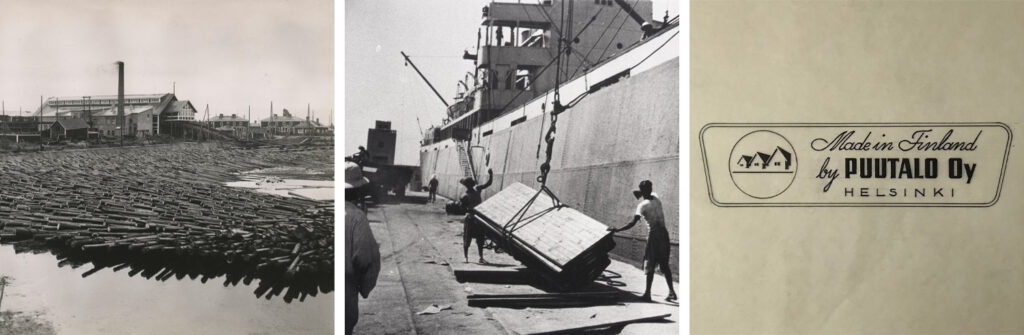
(518, 45)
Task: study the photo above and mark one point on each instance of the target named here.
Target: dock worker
(432, 188)
(362, 156)
(362, 256)
(657, 252)
(471, 229)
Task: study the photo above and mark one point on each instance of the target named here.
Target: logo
(762, 164)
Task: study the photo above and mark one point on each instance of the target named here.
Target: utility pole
(3, 108)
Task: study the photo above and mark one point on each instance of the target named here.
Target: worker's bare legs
(465, 245)
(647, 291)
(467, 236)
(480, 250)
(668, 280)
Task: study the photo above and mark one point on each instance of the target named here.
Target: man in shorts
(470, 227)
(658, 246)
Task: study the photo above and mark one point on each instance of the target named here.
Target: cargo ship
(608, 71)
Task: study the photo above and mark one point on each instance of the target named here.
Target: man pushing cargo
(470, 229)
(657, 252)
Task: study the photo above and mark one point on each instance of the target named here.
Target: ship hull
(605, 145)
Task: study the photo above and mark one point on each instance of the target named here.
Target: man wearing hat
(470, 230)
(432, 188)
(362, 257)
(657, 252)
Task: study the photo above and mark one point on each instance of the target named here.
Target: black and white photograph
(512, 167)
(167, 167)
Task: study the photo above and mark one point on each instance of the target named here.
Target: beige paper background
(857, 270)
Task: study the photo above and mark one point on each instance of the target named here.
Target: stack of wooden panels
(568, 248)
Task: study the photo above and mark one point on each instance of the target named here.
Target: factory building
(17, 128)
(144, 113)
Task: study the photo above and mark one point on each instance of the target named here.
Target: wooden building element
(566, 247)
(69, 129)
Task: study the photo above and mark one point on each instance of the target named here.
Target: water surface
(108, 302)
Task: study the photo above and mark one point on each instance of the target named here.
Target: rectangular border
(999, 186)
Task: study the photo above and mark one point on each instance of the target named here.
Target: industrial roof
(130, 107)
(103, 97)
(232, 117)
(280, 118)
(310, 124)
(69, 124)
(178, 106)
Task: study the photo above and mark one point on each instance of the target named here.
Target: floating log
(146, 207)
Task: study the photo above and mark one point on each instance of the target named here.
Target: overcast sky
(434, 34)
(225, 53)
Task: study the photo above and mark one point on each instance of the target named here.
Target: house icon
(764, 161)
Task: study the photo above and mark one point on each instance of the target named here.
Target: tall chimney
(120, 98)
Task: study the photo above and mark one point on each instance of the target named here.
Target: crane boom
(409, 61)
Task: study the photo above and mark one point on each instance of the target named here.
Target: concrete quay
(421, 246)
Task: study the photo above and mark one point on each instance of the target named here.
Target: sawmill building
(143, 113)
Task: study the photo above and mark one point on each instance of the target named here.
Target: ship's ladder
(465, 160)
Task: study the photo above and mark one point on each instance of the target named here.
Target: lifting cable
(520, 218)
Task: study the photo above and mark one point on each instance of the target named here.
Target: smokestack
(120, 98)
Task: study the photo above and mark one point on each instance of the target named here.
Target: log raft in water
(167, 205)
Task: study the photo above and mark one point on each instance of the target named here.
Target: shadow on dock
(602, 292)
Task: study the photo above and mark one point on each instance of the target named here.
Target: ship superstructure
(618, 83)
